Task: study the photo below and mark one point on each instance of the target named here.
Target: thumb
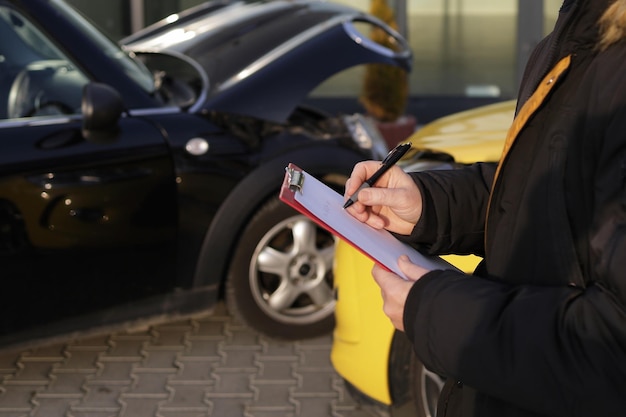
(412, 271)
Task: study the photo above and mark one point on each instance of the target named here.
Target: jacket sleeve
(455, 206)
(558, 351)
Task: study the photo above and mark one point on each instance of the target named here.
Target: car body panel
(366, 337)
(469, 136)
(359, 349)
(363, 334)
(74, 208)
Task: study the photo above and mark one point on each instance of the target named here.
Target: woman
(540, 328)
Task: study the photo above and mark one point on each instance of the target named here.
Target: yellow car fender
(363, 335)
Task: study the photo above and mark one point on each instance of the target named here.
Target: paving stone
(232, 382)
(192, 396)
(269, 412)
(172, 335)
(62, 382)
(314, 381)
(135, 406)
(195, 368)
(126, 346)
(313, 407)
(201, 346)
(208, 366)
(16, 396)
(239, 357)
(35, 372)
(228, 406)
(82, 412)
(53, 405)
(274, 369)
(240, 335)
(99, 341)
(15, 413)
(358, 411)
(278, 349)
(8, 364)
(161, 357)
(150, 382)
(182, 412)
(345, 406)
(46, 351)
(115, 370)
(314, 355)
(104, 394)
(81, 358)
(274, 394)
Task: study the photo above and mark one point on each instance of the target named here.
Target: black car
(139, 182)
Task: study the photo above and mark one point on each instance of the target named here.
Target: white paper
(327, 205)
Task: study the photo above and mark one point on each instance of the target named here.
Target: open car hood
(262, 58)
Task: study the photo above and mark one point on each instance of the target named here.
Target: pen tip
(348, 204)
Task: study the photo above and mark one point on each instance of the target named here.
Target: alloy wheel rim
(291, 272)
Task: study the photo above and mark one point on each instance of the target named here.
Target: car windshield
(17, 32)
(132, 67)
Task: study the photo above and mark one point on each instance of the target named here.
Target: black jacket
(540, 330)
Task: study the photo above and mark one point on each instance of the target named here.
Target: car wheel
(426, 387)
(414, 389)
(280, 278)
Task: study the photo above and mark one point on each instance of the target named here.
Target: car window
(124, 59)
(36, 78)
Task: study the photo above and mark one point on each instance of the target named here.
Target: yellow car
(376, 361)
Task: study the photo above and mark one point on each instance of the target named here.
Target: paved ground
(211, 366)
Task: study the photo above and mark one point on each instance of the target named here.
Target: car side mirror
(102, 107)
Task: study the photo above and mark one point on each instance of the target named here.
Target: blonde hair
(613, 24)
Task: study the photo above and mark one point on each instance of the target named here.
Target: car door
(85, 225)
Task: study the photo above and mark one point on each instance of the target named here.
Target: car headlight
(366, 135)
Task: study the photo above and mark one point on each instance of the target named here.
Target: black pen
(389, 161)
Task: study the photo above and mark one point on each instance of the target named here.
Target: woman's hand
(395, 290)
(393, 203)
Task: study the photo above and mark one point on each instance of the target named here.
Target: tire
(426, 386)
(280, 278)
(415, 389)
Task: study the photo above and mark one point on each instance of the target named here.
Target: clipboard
(324, 206)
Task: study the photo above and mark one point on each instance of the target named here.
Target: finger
(383, 276)
(386, 279)
(361, 171)
(376, 196)
(412, 271)
(394, 291)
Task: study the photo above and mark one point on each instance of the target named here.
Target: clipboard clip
(296, 179)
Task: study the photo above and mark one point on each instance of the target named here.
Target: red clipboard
(324, 206)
